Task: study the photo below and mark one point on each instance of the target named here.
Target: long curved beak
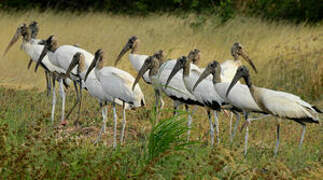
(122, 53)
(178, 66)
(246, 57)
(204, 75)
(145, 67)
(92, 66)
(234, 81)
(41, 57)
(75, 61)
(12, 42)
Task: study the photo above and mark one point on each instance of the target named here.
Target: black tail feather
(317, 109)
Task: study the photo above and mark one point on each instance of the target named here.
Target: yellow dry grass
(264, 42)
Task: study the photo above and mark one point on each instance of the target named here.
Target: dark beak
(234, 81)
(12, 42)
(92, 66)
(246, 57)
(122, 53)
(178, 66)
(204, 75)
(75, 61)
(41, 57)
(145, 67)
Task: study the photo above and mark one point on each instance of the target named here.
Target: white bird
(278, 103)
(239, 98)
(205, 93)
(95, 89)
(29, 46)
(61, 57)
(117, 83)
(176, 89)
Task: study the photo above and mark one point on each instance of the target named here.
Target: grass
(288, 56)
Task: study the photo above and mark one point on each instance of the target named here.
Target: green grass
(31, 147)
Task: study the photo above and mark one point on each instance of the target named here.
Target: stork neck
(217, 76)
(187, 68)
(154, 70)
(135, 48)
(254, 91)
(81, 67)
(99, 65)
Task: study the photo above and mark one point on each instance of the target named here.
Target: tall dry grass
(277, 48)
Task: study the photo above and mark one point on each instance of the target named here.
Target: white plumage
(278, 103)
(117, 84)
(95, 89)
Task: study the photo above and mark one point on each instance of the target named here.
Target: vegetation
(288, 57)
(294, 10)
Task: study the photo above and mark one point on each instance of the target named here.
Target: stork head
(242, 72)
(194, 56)
(98, 59)
(238, 50)
(78, 59)
(150, 63)
(211, 68)
(131, 44)
(33, 26)
(50, 44)
(22, 30)
(180, 64)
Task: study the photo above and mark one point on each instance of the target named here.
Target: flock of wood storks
(215, 87)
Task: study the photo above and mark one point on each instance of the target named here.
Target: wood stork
(30, 46)
(205, 93)
(176, 89)
(278, 103)
(240, 98)
(117, 83)
(95, 89)
(61, 57)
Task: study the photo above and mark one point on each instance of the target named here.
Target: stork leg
(176, 104)
(63, 96)
(302, 136)
(162, 103)
(123, 123)
(115, 125)
(277, 141)
(211, 127)
(48, 83)
(230, 126)
(29, 63)
(54, 98)
(235, 125)
(157, 98)
(216, 124)
(77, 100)
(247, 133)
(104, 119)
(189, 122)
(77, 122)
